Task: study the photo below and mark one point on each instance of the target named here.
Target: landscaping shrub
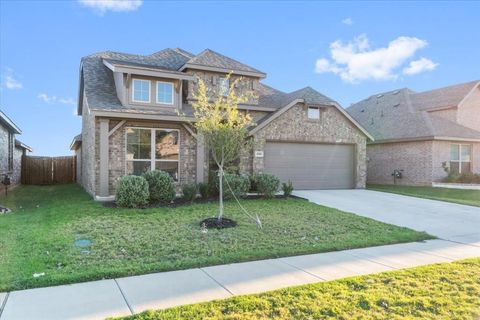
(204, 189)
(160, 185)
(287, 189)
(240, 185)
(132, 192)
(468, 177)
(190, 191)
(267, 184)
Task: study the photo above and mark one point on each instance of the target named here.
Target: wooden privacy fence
(48, 170)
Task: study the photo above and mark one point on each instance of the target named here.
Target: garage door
(311, 166)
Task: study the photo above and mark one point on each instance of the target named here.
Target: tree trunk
(220, 189)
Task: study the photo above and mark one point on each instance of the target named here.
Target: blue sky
(346, 50)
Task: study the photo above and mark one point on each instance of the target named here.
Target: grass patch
(39, 236)
(468, 197)
(443, 291)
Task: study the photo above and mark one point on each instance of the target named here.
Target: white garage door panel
(311, 166)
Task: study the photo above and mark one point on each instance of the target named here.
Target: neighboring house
(11, 151)
(421, 133)
(137, 114)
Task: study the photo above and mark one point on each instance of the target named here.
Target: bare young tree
(222, 125)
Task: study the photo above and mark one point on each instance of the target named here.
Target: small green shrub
(267, 184)
(189, 191)
(160, 185)
(468, 177)
(204, 189)
(239, 184)
(287, 189)
(132, 192)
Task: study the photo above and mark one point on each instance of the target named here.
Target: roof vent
(363, 110)
(396, 105)
(396, 92)
(379, 96)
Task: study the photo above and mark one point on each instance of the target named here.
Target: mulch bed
(215, 223)
(178, 202)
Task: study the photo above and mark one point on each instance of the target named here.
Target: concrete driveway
(449, 221)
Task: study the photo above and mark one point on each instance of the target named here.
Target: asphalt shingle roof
(402, 114)
(100, 91)
(211, 58)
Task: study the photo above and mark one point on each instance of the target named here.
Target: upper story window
(141, 90)
(164, 92)
(313, 113)
(223, 85)
(460, 158)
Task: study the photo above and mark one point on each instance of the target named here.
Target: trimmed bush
(160, 185)
(204, 189)
(463, 178)
(267, 184)
(240, 185)
(189, 191)
(287, 189)
(132, 192)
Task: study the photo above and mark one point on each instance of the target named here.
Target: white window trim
(313, 107)
(152, 149)
(173, 93)
(149, 90)
(460, 161)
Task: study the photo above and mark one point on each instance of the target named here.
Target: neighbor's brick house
(421, 133)
(11, 151)
(137, 115)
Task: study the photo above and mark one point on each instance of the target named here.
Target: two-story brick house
(136, 116)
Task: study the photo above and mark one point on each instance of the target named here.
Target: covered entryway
(311, 165)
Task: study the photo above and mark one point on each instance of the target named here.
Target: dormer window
(313, 113)
(141, 91)
(223, 85)
(164, 92)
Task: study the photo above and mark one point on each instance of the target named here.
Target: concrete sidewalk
(125, 296)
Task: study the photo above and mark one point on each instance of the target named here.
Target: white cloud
(9, 80)
(419, 66)
(102, 6)
(54, 99)
(356, 60)
(348, 21)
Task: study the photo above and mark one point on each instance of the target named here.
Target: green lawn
(444, 291)
(469, 197)
(39, 237)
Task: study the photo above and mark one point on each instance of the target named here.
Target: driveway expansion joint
(4, 303)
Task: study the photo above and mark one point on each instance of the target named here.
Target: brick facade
(117, 150)
(294, 125)
(15, 172)
(421, 161)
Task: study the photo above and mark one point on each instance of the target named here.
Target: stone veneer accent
(117, 165)
(294, 126)
(243, 86)
(421, 161)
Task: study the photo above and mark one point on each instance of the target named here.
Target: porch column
(200, 158)
(103, 166)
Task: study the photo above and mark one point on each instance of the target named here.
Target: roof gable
(211, 59)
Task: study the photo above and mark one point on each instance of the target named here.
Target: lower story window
(460, 158)
(150, 149)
